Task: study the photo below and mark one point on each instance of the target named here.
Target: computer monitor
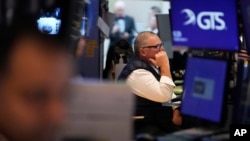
(245, 15)
(204, 90)
(205, 24)
(163, 24)
(66, 18)
(49, 22)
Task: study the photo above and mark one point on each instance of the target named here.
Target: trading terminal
(207, 43)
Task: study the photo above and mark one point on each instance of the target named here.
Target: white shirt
(121, 23)
(144, 84)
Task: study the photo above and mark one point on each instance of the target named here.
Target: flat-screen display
(49, 22)
(163, 24)
(206, 24)
(204, 86)
(245, 14)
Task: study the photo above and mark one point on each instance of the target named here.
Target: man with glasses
(148, 75)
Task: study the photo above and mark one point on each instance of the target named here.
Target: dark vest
(135, 64)
(154, 113)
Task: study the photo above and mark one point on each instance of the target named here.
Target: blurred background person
(152, 21)
(124, 25)
(35, 70)
(117, 57)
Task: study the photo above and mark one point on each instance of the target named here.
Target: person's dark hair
(122, 47)
(114, 54)
(141, 39)
(9, 35)
(156, 9)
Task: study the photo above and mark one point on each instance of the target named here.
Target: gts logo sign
(206, 20)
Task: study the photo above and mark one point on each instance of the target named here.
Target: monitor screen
(49, 22)
(245, 14)
(204, 89)
(163, 24)
(206, 24)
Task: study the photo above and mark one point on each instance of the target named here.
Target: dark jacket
(129, 28)
(157, 118)
(114, 52)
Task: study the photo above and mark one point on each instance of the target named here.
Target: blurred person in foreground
(124, 25)
(149, 78)
(35, 71)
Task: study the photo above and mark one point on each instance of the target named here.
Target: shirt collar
(156, 68)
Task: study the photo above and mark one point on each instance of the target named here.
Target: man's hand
(115, 28)
(177, 118)
(125, 35)
(161, 60)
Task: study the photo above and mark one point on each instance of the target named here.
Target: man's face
(119, 10)
(32, 92)
(148, 53)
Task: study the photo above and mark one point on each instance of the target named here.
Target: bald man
(149, 78)
(124, 25)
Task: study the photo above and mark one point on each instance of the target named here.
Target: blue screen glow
(204, 89)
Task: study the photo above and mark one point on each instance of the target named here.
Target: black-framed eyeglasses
(156, 46)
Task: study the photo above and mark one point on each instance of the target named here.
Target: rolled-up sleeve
(144, 84)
